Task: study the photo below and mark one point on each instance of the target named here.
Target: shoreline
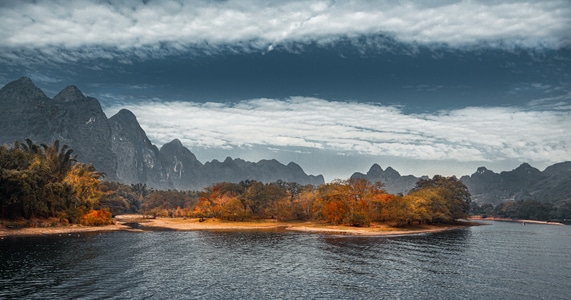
(59, 230)
(523, 221)
(136, 223)
(376, 229)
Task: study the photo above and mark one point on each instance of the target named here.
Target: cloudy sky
(427, 87)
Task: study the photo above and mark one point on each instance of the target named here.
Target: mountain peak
(174, 143)
(559, 168)
(125, 115)
(375, 169)
(527, 168)
(294, 166)
(21, 90)
(23, 82)
(391, 171)
(70, 94)
(481, 170)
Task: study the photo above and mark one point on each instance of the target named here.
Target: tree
(45, 181)
(453, 191)
(304, 202)
(349, 202)
(259, 198)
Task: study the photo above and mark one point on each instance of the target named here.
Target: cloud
(464, 135)
(73, 30)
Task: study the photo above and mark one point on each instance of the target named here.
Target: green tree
(452, 190)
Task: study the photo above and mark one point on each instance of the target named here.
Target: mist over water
(501, 260)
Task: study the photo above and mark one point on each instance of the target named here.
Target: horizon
(425, 88)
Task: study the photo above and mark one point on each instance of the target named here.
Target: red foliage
(97, 218)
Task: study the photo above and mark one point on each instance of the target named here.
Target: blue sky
(427, 87)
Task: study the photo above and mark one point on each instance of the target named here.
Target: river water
(496, 261)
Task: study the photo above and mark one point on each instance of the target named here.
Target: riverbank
(522, 221)
(60, 230)
(136, 223)
(376, 229)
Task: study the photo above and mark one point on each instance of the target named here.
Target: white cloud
(465, 135)
(160, 27)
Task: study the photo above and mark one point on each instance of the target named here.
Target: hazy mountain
(264, 170)
(524, 182)
(119, 146)
(393, 182)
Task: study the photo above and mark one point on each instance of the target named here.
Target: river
(496, 261)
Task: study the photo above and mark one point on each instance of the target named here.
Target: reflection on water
(503, 260)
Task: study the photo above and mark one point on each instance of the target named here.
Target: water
(498, 261)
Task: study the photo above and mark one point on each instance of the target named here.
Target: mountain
(393, 182)
(264, 170)
(82, 123)
(138, 160)
(70, 117)
(524, 182)
(183, 169)
(118, 146)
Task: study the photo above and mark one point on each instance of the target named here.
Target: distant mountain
(184, 170)
(525, 182)
(119, 146)
(393, 182)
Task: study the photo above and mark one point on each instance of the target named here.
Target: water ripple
(502, 260)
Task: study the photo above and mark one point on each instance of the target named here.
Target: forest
(47, 181)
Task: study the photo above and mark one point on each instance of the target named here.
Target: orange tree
(352, 202)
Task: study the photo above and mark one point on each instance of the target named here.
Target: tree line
(353, 202)
(47, 181)
(524, 209)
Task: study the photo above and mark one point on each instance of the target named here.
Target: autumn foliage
(97, 218)
(45, 181)
(354, 202)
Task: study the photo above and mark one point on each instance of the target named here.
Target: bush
(97, 218)
(357, 219)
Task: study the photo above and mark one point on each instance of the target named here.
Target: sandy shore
(214, 224)
(477, 218)
(136, 223)
(60, 230)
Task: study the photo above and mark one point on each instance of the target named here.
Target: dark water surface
(498, 261)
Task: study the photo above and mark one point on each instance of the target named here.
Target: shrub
(97, 218)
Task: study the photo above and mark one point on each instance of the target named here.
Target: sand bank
(215, 224)
(59, 230)
(136, 223)
(478, 218)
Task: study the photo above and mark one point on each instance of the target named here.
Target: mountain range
(119, 147)
(522, 183)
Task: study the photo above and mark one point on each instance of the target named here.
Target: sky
(426, 87)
